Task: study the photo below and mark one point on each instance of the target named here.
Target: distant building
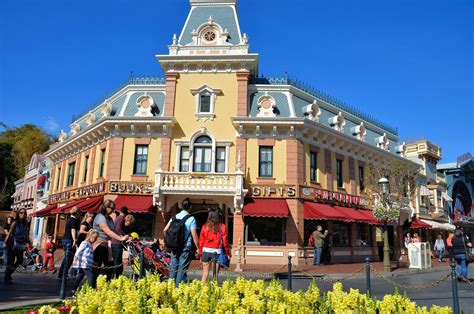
(460, 179)
(431, 203)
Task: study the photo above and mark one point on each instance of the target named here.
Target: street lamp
(385, 188)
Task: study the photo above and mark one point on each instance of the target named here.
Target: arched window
(202, 154)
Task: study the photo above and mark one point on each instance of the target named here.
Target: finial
(175, 41)
(210, 20)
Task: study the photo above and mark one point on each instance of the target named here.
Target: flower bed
(150, 295)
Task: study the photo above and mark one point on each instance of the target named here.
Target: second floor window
(220, 159)
(265, 162)
(86, 169)
(102, 163)
(184, 159)
(339, 173)
(70, 174)
(141, 159)
(202, 154)
(58, 178)
(313, 167)
(361, 178)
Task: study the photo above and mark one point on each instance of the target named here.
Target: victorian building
(277, 156)
(460, 187)
(431, 204)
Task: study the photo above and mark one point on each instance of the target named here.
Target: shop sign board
(321, 195)
(273, 191)
(81, 192)
(130, 187)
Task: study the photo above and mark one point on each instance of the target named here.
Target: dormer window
(205, 102)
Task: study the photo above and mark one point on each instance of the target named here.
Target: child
(49, 249)
(84, 260)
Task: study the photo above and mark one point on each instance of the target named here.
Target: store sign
(273, 191)
(82, 192)
(125, 187)
(347, 199)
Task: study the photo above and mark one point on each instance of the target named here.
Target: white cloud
(51, 124)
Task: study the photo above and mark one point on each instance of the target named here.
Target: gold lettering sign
(82, 192)
(273, 191)
(332, 197)
(128, 187)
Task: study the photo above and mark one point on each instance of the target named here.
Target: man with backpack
(180, 232)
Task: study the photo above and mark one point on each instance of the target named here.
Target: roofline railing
(325, 97)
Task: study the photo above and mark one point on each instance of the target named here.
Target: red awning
(45, 211)
(356, 215)
(135, 203)
(89, 205)
(416, 223)
(265, 207)
(323, 212)
(41, 180)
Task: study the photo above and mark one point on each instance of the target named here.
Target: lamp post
(385, 188)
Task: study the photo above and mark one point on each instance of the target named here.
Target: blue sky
(407, 62)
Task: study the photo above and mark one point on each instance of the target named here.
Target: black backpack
(174, 238)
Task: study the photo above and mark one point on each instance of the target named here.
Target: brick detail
(295, 223)
(170, 95)
(142, 141)
(242, 93)
(266, 142)
(241, 146)
(328, 168)
(91, 165)
(166, 153)
(295, 162)
(238, 232)
(114, 164)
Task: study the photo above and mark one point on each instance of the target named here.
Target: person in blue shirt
(181, 258)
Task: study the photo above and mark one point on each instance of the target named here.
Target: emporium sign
(82, 192)
(321, 195)
(129, 187)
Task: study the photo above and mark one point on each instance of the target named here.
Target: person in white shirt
(84, 260)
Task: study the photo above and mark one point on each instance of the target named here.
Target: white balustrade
(189, 182)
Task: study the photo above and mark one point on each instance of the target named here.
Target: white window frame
(208, 91)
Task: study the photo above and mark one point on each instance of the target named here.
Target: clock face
(209, 36)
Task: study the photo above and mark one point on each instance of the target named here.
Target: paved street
(45, 287)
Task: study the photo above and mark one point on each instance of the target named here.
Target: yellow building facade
(277, 157)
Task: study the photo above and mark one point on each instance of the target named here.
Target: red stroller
(158, 262)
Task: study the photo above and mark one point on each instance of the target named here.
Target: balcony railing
(197, 183)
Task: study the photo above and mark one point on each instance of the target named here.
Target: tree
(402, 179)
(17, 145)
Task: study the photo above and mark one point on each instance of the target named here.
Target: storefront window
(364, 234)
(340, 234)
(310, 227)
(264, 231)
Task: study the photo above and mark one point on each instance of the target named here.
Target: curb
(13, 305)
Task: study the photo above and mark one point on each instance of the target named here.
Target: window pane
(203, 140)
(205, 103)
(364, 234)
(184, 160)
(340, 235)
(202, 159)
(265, 162)
(339, 173)
(265, 231)
(220, 159)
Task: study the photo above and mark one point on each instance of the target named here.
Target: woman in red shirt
(212, 240)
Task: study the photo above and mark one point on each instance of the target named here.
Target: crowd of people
(93, 244)
(456, 245)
